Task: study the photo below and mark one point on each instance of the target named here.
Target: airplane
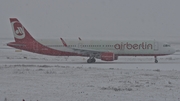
(106, 50)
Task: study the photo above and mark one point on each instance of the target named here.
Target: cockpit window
(166, 45)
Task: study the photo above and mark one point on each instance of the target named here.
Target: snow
(33, 77)
(75, 83)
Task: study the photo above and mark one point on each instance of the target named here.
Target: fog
(116, 19)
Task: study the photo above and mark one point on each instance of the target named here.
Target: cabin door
(155, 46)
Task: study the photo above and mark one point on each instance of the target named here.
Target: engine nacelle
(108, 56)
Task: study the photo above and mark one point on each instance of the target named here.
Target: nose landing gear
(156, 61)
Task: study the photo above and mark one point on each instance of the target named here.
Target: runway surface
(162, 65)
(84, 63)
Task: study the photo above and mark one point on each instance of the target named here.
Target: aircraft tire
(89, 61)
(93, 60)
(156, 61)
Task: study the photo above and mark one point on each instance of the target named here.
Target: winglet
(64, 43)
(79, 38)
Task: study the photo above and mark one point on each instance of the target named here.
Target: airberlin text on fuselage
(135, 46)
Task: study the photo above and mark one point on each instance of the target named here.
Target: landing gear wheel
(89, 61)
(156, 61)
(93, 60)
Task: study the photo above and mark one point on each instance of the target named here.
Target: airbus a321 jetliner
(101, 49)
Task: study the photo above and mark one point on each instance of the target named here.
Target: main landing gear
(91, 60)
(156, 61)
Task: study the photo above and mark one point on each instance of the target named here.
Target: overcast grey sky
(93, 18)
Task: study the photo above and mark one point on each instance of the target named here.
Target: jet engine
(108, 56)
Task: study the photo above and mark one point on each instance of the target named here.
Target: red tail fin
(20, 33)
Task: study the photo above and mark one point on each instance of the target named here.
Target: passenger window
(166, 45)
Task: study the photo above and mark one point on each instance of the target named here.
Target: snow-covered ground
(33, 77)
(75, 83)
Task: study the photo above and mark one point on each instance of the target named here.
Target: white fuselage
(121, 48)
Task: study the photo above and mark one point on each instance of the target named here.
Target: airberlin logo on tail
(18, 30)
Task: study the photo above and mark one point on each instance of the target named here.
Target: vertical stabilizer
(20, 33)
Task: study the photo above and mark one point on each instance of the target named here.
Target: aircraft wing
(84, 51)
(88, 51)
